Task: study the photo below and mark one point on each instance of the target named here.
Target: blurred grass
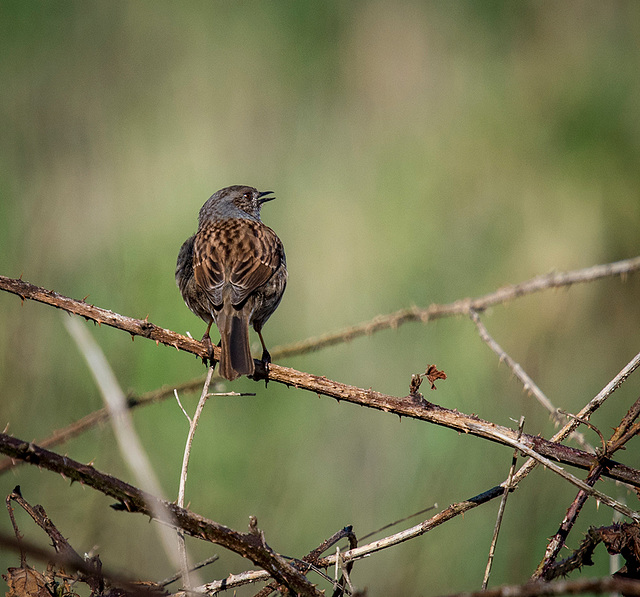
(420, 152)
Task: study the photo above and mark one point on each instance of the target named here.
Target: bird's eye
(247, 195)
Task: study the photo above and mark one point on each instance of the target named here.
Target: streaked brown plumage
(233, 271)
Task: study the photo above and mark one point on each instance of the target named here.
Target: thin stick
(605, 499)
(529, 385)
(608, 584)
(179, 575)
(586, 412)
(460, 307)
(503, 503)
(143, 327)
(128, 441)
(558, 540)
(193, 424)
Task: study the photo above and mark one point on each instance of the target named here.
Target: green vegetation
(420, 153)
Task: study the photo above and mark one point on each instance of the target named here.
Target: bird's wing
(237, 256)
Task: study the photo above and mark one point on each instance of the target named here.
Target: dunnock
(233, 271)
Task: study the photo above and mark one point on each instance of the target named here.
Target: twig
(607, 584)
(605, 499)
(462, 306)
(529, 385)
(198, 566)
(395, 522)
(420, 409)
(586, 424)
(558, 540)
(251, 576)
(184, 412)
(93, 577)
(585, 413)
(128, 441)
(503, 503)
(71, 562)
(193, 424)
(160, 335)
(132, 499)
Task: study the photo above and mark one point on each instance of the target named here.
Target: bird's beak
(262, 197)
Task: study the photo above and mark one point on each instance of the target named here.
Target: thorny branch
(527, 383)
(462, 306)
(623, 539)
(249, 545)
(467, 306)
(598, 586)
(408, 406)
(624, 432)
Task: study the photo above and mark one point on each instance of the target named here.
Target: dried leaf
(26, 582)
(432, 374)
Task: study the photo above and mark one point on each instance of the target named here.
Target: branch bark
(409, 406)
(249, 545)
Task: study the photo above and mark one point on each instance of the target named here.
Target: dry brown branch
(174, 577)
(462, 306)
(529, 385)
(608, 584)
(250, 576)
(503, 502)
(605, 499)
(309, 561)
(249, 545)
(65, 563)
(127, 439)
(409, 406)
(101, 415)
(70, 562)
(585, 413)
(393, 320)
(624, 432)
(39, 516)
(619, 539)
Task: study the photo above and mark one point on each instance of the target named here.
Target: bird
(233, 272)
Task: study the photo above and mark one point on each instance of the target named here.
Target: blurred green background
(420, 152)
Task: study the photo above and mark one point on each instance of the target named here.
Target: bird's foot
(208, 360)
(262, 369)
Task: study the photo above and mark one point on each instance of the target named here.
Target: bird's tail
(236, 357)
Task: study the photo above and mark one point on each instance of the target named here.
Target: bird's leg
(263, 371)
(206, 340)
(266, 357)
